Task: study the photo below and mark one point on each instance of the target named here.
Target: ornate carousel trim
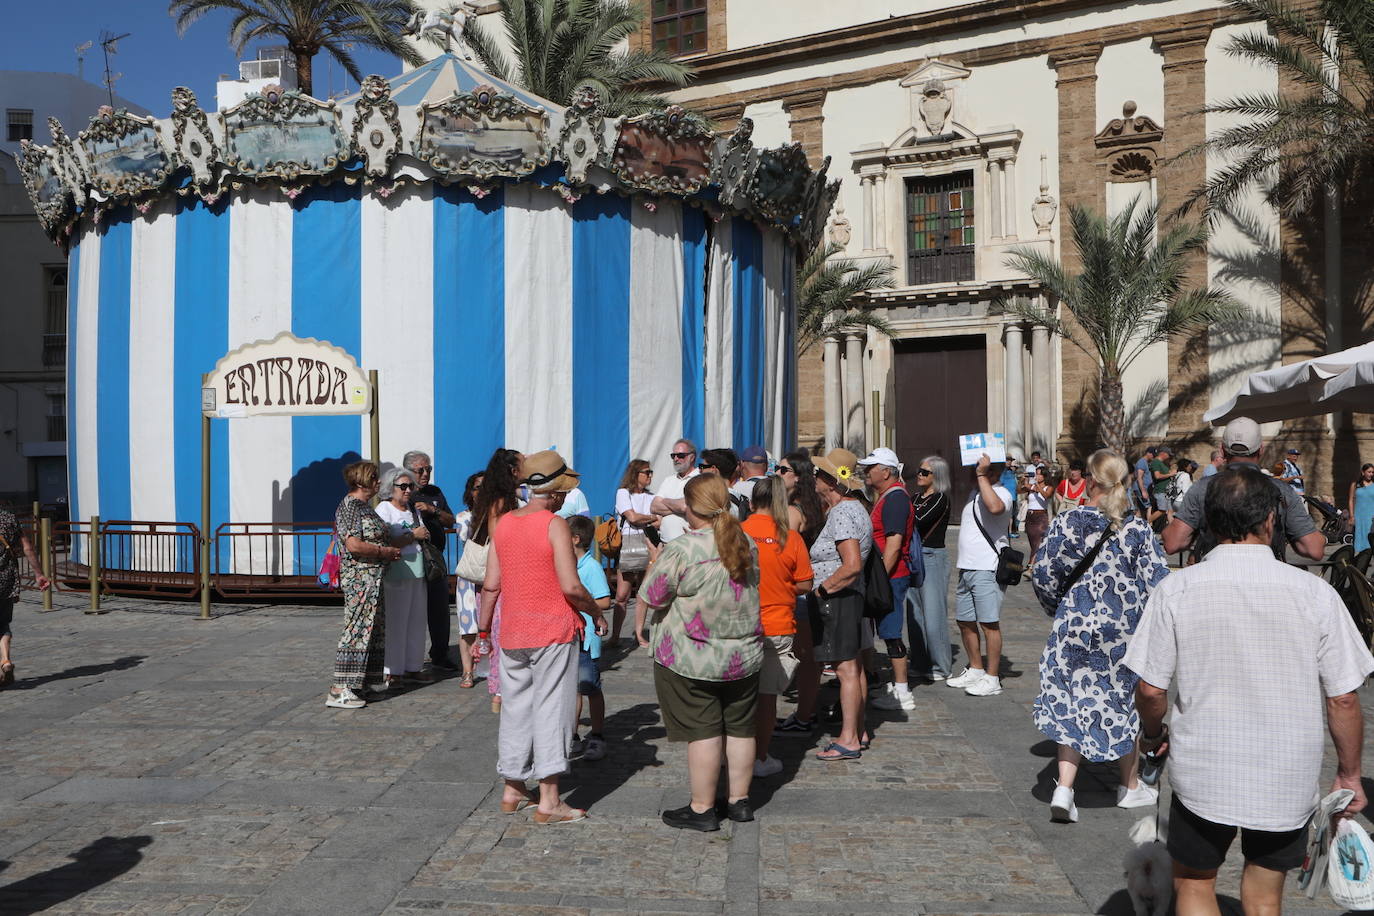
(451, 131)
(125, 155)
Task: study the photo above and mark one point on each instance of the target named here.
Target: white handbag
(472, 565)
(634, 552)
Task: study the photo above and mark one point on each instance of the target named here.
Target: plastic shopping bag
(1312, 877)
(328, 575)
(1350, 871)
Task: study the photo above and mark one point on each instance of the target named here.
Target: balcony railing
(54, 351)
(57, 429)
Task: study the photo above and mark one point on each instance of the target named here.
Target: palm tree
(310, 26)
(830, 295)
(1128, 296)
(559, 46)
(1320, 136)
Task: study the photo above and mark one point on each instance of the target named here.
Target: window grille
(940, 230)
(679, 26)
(20, 121)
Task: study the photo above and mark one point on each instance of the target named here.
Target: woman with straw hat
(533, 569)
(837, 608)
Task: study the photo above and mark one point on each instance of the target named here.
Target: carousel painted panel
(283, 134)
(665, 151)
(52, 199)
(125, 154)
(483, 133)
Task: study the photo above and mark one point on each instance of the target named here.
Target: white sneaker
(768, 766)
(1142, 796)
(985, 686)
(969, 676)
(895, 699)
(1062, 808)
(344, 699)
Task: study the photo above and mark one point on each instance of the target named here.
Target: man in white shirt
(753, 467)
(978, 597)
(670, 503)
(1256, 648)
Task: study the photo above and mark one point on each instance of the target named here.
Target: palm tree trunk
(1111, 412)
(305, 72)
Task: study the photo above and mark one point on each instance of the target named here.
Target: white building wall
(854, 118)
(1243, 255)
(754, 22)
(772, 124)
(1130, 70)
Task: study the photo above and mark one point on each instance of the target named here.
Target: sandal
(549, 820)
(515, 807)
(466, 682)
(6, 674)
(865, 742)
(838, 752)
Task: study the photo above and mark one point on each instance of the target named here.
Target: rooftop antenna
(81, 50)
(108, 44)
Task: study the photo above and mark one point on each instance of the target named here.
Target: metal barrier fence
(155, 559)
(269, 559)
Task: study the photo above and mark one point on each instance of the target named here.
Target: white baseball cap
(883, 456)
(1241, 437)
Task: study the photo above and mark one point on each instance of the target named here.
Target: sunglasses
(704, 466)
(650, 473)
(405, 486)
(924, 472)
(678, 456)
(784, 469)
(428, 469)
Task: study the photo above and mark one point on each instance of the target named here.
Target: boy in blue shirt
(588, 674)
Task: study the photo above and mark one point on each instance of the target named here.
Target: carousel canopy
(446, 122)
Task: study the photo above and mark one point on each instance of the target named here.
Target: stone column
(854, 414)
(834, 393)
(1011, 204)
(866, 182)
(804, 110)
(1185, 92)
(880, 211)
(1016, 416)
(995, 199)
(1042, 410)
(1076, 82)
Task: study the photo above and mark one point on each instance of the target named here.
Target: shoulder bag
(472, 565)
(608, 537)
(328, 574)
(877, 586)
(1078, 571)
(1011, 563)
(430, 554)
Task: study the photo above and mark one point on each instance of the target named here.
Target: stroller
(1334, 524)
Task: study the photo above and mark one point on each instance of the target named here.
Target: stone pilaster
(1076, 71)
(804, 110)
(1185, 93)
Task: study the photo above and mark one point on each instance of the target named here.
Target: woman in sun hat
(837, 603)
(533, 569)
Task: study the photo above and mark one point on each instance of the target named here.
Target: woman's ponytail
(708, 497)
(1110, 475)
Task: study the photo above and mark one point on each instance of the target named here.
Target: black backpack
(877, 586)
(1204, 540)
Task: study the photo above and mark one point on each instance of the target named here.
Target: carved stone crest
(125, 154)
(582, 142)
(376, 127)
(840, 230)
(484, 133)
(52, 199)
(195, 142)
(283, 134)
(935, 106)
(1044, 207)
(664, 151)
(735, 162)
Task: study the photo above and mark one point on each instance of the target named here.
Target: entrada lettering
(281, 381)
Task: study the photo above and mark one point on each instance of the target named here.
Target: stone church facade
(963, 130)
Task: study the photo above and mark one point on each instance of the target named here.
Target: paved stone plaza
(154, 763)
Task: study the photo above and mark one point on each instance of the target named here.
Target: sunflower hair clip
(843, 472)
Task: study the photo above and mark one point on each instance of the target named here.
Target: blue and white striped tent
(607, 327)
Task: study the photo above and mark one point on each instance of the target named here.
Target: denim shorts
(978, 597)
(588, 674)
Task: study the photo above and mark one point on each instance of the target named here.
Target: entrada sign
(286, 375)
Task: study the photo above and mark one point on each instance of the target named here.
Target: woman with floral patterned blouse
(707, 642)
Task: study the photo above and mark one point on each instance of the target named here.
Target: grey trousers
(538, 702)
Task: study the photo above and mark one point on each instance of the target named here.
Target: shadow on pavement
(103, 860)
(119, 664)
(631, 745)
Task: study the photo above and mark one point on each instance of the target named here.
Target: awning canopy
(445, 75)
(1323, 384)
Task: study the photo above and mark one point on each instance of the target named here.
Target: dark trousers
(437, 607)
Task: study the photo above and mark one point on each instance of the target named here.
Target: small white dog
(1149, 871)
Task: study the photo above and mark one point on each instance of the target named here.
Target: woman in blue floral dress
(1086, 703)
(465, 592)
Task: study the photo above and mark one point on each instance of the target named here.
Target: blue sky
(43, 36)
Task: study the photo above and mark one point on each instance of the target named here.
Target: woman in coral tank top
(531, 566)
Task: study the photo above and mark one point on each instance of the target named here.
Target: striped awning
(447, 74)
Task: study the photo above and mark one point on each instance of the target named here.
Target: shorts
(779, 665)
(837, 625)
(1200, 844)
(695, 710)
(588, 674)
(6, 615)
(977, 596)
(890, 626)
(1162, 502)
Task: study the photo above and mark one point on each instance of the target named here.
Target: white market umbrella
(1323, 384)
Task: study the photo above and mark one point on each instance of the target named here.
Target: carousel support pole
(45, 558)
(93, 563)
(375, 419)
(204, 511)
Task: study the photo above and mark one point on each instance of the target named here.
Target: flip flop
(6, 674)
(840, 752)
(517, 806)
(467, 681)
(865, 743)
(549, 820)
